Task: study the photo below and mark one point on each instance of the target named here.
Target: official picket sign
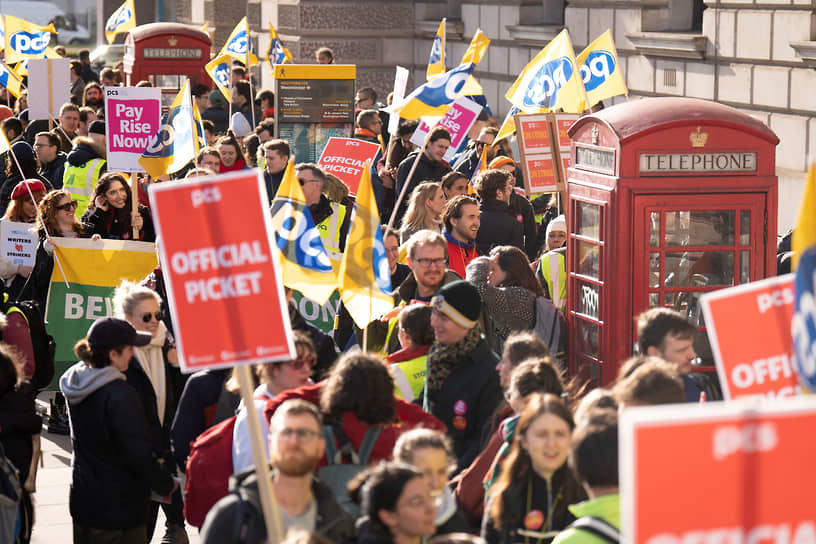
(19, 242)
(345, 158)
(735, 473)
(765, 310)
(458, 120)
(132, 118)
(223, 283)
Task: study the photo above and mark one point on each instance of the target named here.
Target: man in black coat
(499, 227)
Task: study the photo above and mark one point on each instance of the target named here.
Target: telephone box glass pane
(654, 270)
(587, 337)
(588, 259)
(700, 228)
(745, 266)
(588, 299)
(654, 229)
(669, 299)
(699, 268)
(589, 220)
(745, 227)
(688, 304)
(654, 299)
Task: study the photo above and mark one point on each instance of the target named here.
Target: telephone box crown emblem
(699, 138)
(595, 134)
(172, 41)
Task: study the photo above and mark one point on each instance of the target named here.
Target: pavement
(52, 523)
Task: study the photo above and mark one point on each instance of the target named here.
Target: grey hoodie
(80, 380)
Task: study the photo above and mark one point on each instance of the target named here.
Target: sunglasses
(148, 316)
(68, 206)
(299, 363)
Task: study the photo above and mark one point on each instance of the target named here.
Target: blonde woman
(424, 210)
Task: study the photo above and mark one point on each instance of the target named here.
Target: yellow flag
(176, 142)
(10, 81)
(305, 264)
(365, 278)
(5, 146)
(804, 235)
(433, 98)
(436, 60)
(600, 71)
(508, 126)
(220, 70)
(276, 53)
(474, 53)
(551, 81)
(239, 45)
(122, 20)
(25, 40)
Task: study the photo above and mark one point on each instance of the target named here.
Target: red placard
(533, 133)
(563, 122)
(541, 177)
(753, 353)
(223, 283)
(345, 158)
(718, 472)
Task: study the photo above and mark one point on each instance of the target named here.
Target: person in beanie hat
(551, 268)
(85, 164)
(462, 387)
(113, 469)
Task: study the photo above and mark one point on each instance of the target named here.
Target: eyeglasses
(148, 316)
(68, 206)
(426, 263)
(301, 434)
(305, 181)
(300, 362)
(43, 145)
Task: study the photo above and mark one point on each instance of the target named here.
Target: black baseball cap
(110, 332)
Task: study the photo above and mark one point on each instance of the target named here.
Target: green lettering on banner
(70, 313)
(321, 317)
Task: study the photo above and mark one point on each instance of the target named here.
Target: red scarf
(239, 165)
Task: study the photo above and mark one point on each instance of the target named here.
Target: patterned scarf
(442, 359)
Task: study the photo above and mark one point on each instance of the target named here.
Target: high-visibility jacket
(552, 267)
(329, 230)
(80, 182)
(409, 377)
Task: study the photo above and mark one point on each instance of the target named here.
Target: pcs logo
(221, 73)
(597, 68)
(238, 45)
(29, 43)
(123, 16)
(544, 85)
(436, 51)
(443, 90)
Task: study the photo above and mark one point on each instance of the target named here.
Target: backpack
(551, 327)
(10, 494)
(209, 468)
(26, 332)
(337, 474)
(598, 527)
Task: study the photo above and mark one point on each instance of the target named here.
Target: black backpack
(43, 343)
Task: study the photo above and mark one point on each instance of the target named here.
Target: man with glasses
(51, 159)
(330, 218)
(296, 445)
(369, 128)
(468, 161)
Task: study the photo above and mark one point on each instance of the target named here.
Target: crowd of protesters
(455, 420)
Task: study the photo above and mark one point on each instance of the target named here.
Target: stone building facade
(756, 55)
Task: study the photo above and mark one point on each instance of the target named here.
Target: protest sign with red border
(222, 276)
(133, 117)
(458, 120)
(718, 472)
(345, 158)
(753, 352)
(533, 133)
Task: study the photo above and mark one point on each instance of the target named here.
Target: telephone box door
(685, 246)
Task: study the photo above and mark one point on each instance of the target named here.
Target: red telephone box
(165, 54)
(668, 198)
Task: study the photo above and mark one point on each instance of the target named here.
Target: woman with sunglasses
(110, 212)
(58, 220)
(154, 373)
(274, 378)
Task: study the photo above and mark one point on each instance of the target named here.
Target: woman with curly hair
(424, 210)
(232, 156)
(358, 394)
(56, 219)
(110, 215)
(509, 289)
(529, 501)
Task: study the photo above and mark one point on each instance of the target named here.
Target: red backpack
(209, 467)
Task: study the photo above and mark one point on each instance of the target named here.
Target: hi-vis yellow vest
(409, 377)
(80, 182)
(553, 267)
(329, 230)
